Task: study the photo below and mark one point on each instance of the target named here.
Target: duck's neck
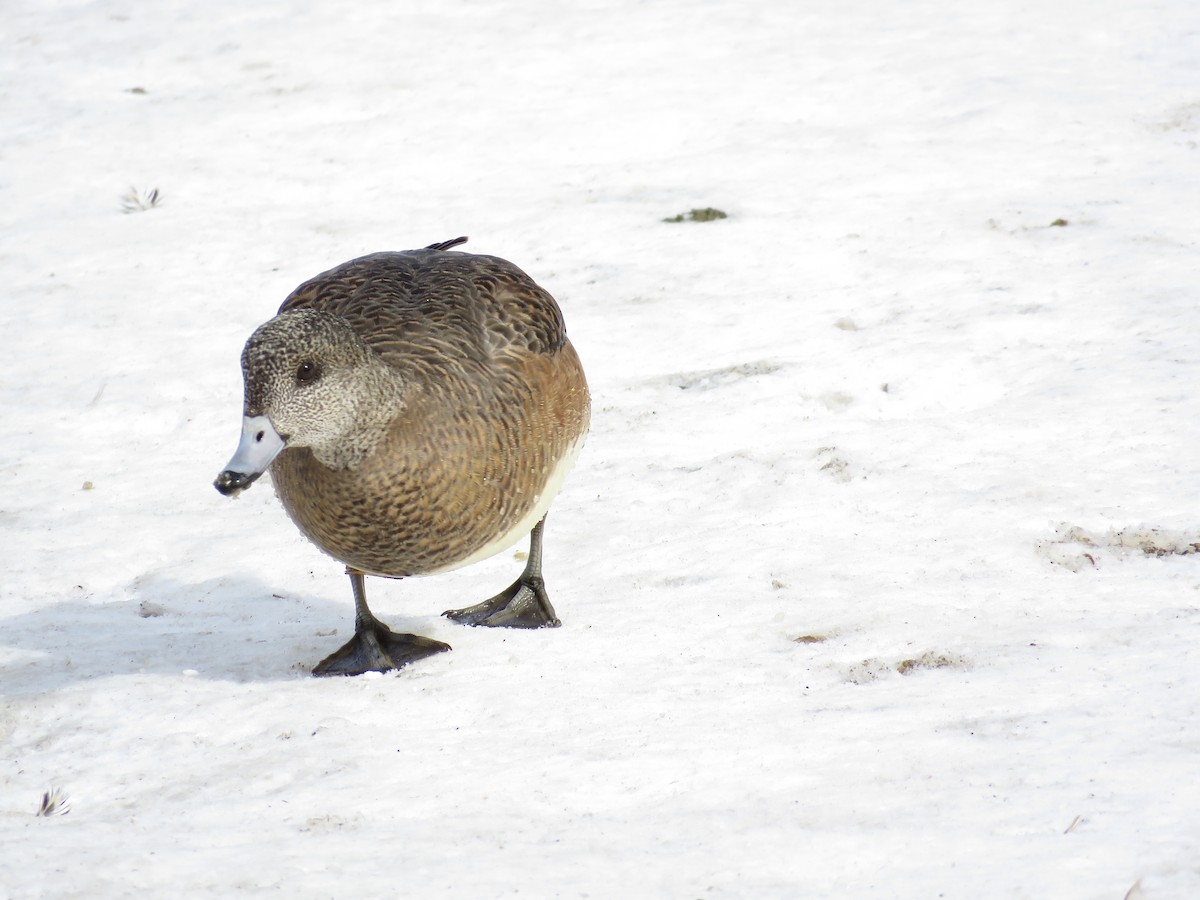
(379, 401)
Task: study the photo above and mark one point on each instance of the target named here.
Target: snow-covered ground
(875, 574)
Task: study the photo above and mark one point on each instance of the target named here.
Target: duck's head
(309, 379)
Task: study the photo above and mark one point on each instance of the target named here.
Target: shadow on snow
(232, 629)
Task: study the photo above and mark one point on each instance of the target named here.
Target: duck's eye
(307, 372)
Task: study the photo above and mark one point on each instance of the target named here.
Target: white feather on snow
(848, 607)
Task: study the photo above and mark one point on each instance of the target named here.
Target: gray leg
(374, 648)
(523, 604)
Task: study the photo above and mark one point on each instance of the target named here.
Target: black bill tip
(230, 483)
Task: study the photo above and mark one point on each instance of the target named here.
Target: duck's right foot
(375, 648)
(523, 604)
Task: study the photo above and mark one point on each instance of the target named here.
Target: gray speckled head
(319, 385)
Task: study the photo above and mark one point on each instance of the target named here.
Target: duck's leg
(374, 647)
(523, 604)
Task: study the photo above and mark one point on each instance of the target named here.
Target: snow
(876, 573)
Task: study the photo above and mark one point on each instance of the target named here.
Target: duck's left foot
(523, 604)
(376, 648)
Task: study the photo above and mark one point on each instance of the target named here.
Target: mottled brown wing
(430, 306)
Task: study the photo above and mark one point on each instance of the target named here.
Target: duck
(418, 412)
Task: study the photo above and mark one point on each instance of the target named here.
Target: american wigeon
(418, 412)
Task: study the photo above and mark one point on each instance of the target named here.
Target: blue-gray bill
(259, 445)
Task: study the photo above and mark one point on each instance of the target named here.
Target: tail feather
(446, 245)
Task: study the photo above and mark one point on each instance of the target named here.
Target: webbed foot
(523, 604)
(375, 648)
